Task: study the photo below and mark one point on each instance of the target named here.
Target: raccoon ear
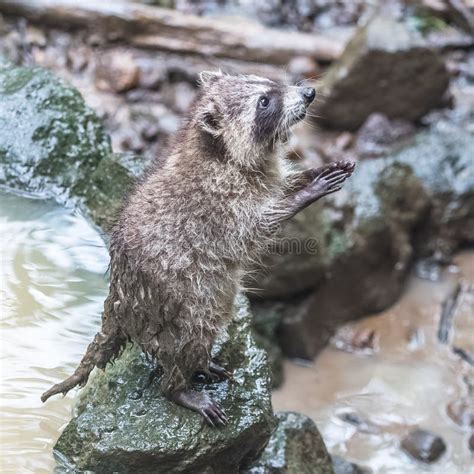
(207, 77)
(208, 121)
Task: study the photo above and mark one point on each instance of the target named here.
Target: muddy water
(404, 379)
(52, 291)
(51, 294)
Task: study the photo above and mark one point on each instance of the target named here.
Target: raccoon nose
(308, 95)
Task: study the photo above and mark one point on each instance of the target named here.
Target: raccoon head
(248, 115)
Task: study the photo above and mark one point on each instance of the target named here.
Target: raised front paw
(345, 165)
(330, 178)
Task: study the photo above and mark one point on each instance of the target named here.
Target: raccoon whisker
(287, 81)
(314, 116)
(292, 147)
(321, 99)
(309, 124)
(312, 78)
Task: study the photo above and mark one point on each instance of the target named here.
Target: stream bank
(389, 374)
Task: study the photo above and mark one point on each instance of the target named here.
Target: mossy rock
(114, 176)
(124, 424)
(296, 447)
(50, 141)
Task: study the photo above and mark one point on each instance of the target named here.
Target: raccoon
(195, 223)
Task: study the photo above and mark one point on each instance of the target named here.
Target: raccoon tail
(104, 348)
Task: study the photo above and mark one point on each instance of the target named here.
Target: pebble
(353, 340)
(152, 74)
(36, 37)
(461, 411)
(362, 425)
(423, 445)
(378, 133)
(117, 72)
(428, 269)
(342, 466)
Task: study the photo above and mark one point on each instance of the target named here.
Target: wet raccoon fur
(195, 223)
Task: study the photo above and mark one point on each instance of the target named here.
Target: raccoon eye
(263, 102)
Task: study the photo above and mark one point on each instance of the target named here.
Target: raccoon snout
(308, 94)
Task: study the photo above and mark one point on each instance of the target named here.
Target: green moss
(425, 22)
(109, 183)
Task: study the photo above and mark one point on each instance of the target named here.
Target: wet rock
(266, 317)
(295, 447)
(386, 69)
(341, 466)
(462, 338)
(415, 202)
(117, 71)
(117, 428)
(470, 443)
(152, 73)
(303, 67)
(275, 358)
(111, 180)
(362, 425)
(456, 324)
(50, 141)
(297, 260)
(423, 446)
(78, 58)
(428, 269)
(378, 133)
(462, 412)
(363, 341)
(363, 257)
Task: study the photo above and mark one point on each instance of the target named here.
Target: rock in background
(385, 68)
(295, 447)
(50, 141)
(416, 202)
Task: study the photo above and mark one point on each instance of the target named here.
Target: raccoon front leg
(322, 182)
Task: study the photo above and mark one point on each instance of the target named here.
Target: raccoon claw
(222, 374)
(331, 178)
(341, 165)
(201, 403)
(214, 415)
(344, 165)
